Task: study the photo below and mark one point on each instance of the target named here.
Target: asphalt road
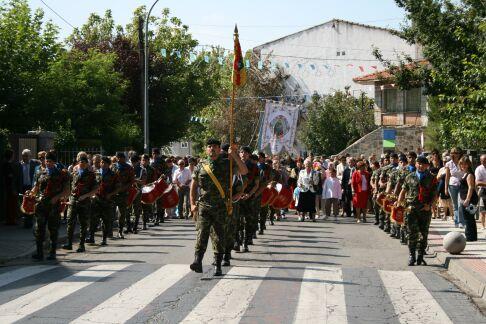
(323, 272)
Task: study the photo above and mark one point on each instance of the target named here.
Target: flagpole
(232, 107)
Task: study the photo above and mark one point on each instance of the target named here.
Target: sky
(212, 22)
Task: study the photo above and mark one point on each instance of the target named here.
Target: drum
(132, 193)
(283, 199)
(153, 191)
(388, 204)
(268, 195)
(170, 198)
(381, 198)
(397, 214)
(28, 205)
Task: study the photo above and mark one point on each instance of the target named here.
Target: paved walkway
(469, 266)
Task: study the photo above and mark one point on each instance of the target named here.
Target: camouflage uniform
(148, 209)
(212, 212)
(376, 208)
(393, 179)
(268, 175)
(103, 208)
(381, 176)
(248, 217)
(50, 183)
(82, 182)
(160, 169)
(418, 194)
(137, 202)
(402, 174)
(126, 177)
(385, 177)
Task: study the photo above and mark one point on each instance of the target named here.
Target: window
(343, 53)
(184, 145)
(338, 53)
(413, 100)
(390, 100)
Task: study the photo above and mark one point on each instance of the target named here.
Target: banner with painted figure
(278, 129)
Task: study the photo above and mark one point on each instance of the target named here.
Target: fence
(67, 155)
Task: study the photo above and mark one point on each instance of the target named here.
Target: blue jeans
(458, 212)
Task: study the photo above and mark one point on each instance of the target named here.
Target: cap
(423, 160)
(213, 141)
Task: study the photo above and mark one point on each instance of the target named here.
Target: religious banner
(277, 132)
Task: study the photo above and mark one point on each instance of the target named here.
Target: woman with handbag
(308, 182)
(468, 198)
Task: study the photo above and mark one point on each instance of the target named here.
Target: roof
(384, 75)
(324, 24)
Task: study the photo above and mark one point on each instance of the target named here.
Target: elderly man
(182, 178)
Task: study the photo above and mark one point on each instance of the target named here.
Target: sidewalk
(17, 242)
(469, 266)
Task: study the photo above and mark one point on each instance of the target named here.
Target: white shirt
(26, 173)
(331, 188)
(456, 173)
(183, 176)
(308, 181)
(340, 170)
(480, 173)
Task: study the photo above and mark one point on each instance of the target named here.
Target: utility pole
(141, 61)
(146, 83)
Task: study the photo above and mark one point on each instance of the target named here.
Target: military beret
(423, 160)
(213, 141)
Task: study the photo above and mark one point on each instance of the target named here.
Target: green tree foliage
(27, 47)
(335, 121)
(453, 38)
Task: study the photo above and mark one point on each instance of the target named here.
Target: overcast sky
(211, 22)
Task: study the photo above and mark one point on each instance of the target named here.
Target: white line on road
(413, 303)
(127, 303)
(15, 275)
(321, 298)
(32, 302)
(229, 299)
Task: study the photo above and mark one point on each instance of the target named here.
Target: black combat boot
(260, 232)
(236, 247)
(39, 254)
(68, 245)
(81, 247)
(196, 266)
(52, 251)
(160, 216)
(411, 257)
(217, 269)
(226, 259)
(403, 237)
(245, 248)
(420, 258)
(103, 240)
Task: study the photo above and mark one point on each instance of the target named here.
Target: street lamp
(145, 94)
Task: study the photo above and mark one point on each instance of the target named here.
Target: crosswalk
(140, 293)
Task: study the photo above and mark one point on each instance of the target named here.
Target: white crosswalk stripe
(133, 299)
(24, 306)
(12, 276)
(229, 299)
(321, 297)
(412, 301)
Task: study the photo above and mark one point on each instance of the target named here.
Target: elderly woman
(308, 183)
(452, 182)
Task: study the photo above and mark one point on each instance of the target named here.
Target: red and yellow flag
(239, 71)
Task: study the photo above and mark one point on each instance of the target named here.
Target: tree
(27, 46)
(335, 121)
(453, 38)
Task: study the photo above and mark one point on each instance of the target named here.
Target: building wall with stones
(408, 138)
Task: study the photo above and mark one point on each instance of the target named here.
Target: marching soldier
(390, 186)
(374, 185)
(270, 177)
(103, 207)
(147, 209)
(50, 185)
(140, 180)
(419, 191)
(126, 177)
(380, 184)
(159, 166)
(211, 176)
(83, 185)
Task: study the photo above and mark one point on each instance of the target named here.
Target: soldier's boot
(144, 226)
(260, 232)
(377, 219)
(245, 248)
(411, 257)
(403, 237)
(81, 247)
(68, 245)
(226, 259)
(120, 234)
(52, 251)
(382, 224)
(236, 247)
(160, 216)
(255, 235)
(91, 238)
(218, 271)
(103, 240)
(196, 265)
(420, 258)
(392, 231)
(39, 254)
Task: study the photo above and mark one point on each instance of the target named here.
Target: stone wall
(408, 139)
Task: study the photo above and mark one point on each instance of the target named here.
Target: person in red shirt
(361, 187)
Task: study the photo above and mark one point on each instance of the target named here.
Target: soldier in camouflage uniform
(151, 176)
(247, 202)
(402, 174)
(270, 177)
(374, 185)
(160, 168)
(390, 191)
(83, 185)
(126, 177)
(212, 203)
(140, 180)
(419, 191)
(50, 185)
(380, 184)
(103, 207)
(384, 179)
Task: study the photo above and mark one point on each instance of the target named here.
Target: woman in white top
(454, 175)
(307, 182)
(331, 194)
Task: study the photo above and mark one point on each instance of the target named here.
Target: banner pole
(233, 92)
